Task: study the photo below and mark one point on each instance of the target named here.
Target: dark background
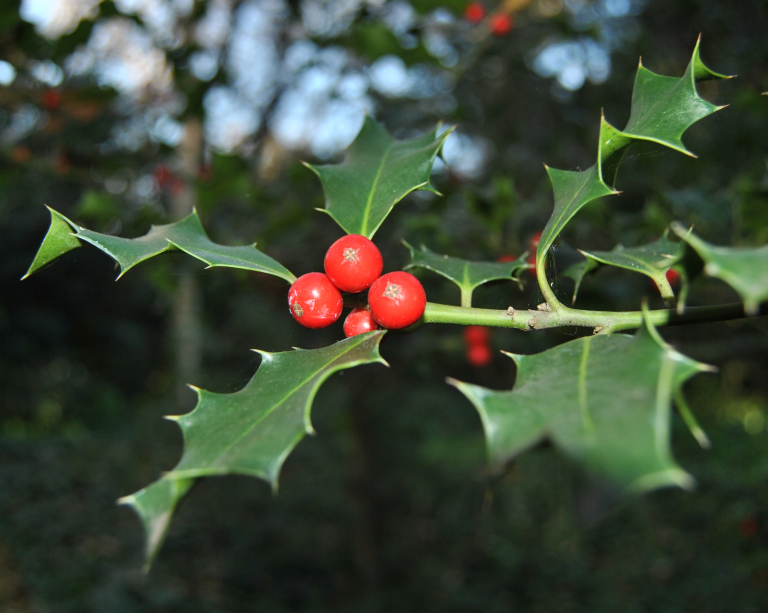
(389, 507)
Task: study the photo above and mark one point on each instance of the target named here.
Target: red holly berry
(500, 24)
(533, 245)
(479, 355)
(476, 335)
(673, 277)
(21, 153)
(397, 300)
(533, 242)
(359, 321)
(353, 263)
(162, 174)
(474, 12)
(748, 526)
(507, 257)
(314, 301)
(51, 99)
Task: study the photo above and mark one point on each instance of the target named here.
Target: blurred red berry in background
(51, 99)
(474, 13)
(476, 335)
(500, 24)
(479, 355)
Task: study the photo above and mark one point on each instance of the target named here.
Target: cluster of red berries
(353, 264)
(500, 24)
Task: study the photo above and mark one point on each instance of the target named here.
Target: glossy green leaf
(663, 108)
(467, 275)
(155, 506)
(186, 235)
(250, 432)
(58, 241)
(603, 400)
(652, 260)
(377, 173)
(577, 272)
(745, 269)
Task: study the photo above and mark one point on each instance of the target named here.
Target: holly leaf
(577, 272)
(57, 241)
(603, 400)
(467, 275)
(745, 269)
(377, 173)
(653, 260)
(663, 108)
(186, 235)
(250, 432)
(155, 506)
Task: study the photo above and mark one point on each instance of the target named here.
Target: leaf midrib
(369, 203)
(277, 404)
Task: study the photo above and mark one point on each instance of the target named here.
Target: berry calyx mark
(393, 291)
(297, 310)
(350, 254)
(397, 300)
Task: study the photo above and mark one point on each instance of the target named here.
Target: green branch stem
(603, 322)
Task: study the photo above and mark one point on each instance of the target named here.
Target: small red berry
(749, 526)
(314, 301)
(359, 321)
(353, 263)
(397, 300)
(163, 175)
(479, 355)
(476, 335)
(533, 245)
(51, 99)
(533, 242)
(673, 277)
(500, 24)
(507, 257)
(21, 153)
(474, 12)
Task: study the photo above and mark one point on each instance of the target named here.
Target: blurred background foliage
(126, 113)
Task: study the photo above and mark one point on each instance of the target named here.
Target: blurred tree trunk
(187, 333)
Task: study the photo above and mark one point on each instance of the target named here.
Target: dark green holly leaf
(577, 272)
(603, 400)
(662, 109)
(186, 235)
(377, 173)
(250, 432)
(57, 241)
(467, 275)
(155, 506)
(652, 260)
(745, 269)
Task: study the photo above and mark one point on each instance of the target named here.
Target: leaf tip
(516, 357)
(127, 500)
(266, 356)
